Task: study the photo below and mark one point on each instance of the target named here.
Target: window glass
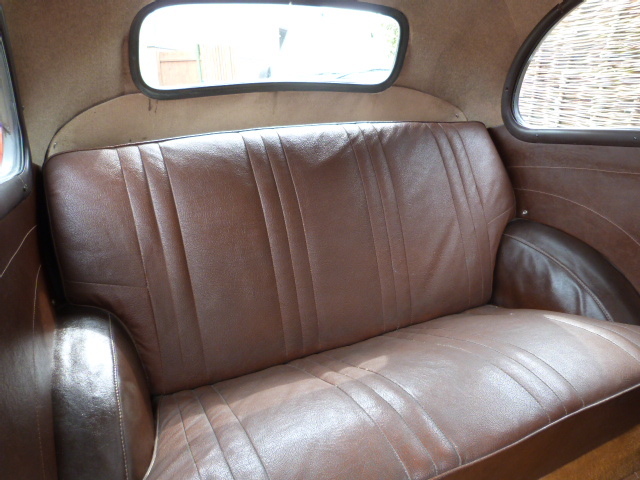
(196, 45)
(585, 74)
(11, 151)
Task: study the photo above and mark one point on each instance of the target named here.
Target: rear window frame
(511, 91)
(172, 94)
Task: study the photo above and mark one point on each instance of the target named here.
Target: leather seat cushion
(441, 398)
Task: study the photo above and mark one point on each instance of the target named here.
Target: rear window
(585, 74)
(199, 49)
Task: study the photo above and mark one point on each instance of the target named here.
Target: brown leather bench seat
(311, 303)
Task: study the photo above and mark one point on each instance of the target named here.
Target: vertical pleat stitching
(203, 356)
(213, 431)
(453, 347)
(270, 240)
(143, 262)
(455, 209)
(186, 438)
(248, 437)
(296, 281)
(305, 238)
(375, 245)
(399, 217)
(502, 354)
(410, 396)
(361, 408)
(486, 268)
(469, 209)
(377, 395)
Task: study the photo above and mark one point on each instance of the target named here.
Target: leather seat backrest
(227, 253)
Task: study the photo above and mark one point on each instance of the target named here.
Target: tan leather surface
(26, 323)
(590, 192)
(487, 394)
(540, 267)
(224, 254)
(101, 404)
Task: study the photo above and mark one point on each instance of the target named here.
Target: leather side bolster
(540, 267)
(102, 407)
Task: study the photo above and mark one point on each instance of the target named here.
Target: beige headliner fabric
(139, 118)
(70, 54)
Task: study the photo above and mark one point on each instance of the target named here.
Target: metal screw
(525, 213)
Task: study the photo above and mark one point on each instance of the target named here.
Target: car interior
(333, 239)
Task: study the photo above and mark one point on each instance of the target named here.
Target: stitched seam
(273, 266)
(186, 438)
(284, 220)
(453, 445)
(575, 168)
(597, 334)
(509, 357)
(385, 401)
(466, 197)
(142, 260)
(628, 329)
(484, 213)
(304, 233)
(500, 215)
(506, 373)
(386, 221)
(214, 433)
(566, 269)
(243, 429)
(186, 261)
(585, 207)
(17, 250)
(118, 399)
(550, 366)
(455, 209)
(404, 245)
(98, 284)
(375, 246)
(35, 369)
(395, 452)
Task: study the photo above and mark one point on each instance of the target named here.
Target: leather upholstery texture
(101, 403)
(488, 394)
(543, 268)
(228, 253)
(589, 192)
(27, 447)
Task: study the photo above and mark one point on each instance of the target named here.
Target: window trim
(14, 190)
(158, 94)
(615, 137)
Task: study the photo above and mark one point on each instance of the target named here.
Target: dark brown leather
(227, 253)
(543, 268)
(589, 192)
(26, 323)
(487, 394)
(103, 415)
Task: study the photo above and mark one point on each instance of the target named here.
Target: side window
(11, 147)
(582, 76)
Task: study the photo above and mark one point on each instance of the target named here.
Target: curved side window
(581, 81)
(11, 146)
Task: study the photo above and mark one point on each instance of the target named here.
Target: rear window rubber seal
(157, 94)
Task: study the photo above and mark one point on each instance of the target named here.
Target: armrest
(102, 408)
(543, 268)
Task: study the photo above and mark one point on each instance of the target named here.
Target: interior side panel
(26, 436)
(590, 192)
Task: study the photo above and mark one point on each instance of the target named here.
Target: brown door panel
(590, 192)
(26, 320)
